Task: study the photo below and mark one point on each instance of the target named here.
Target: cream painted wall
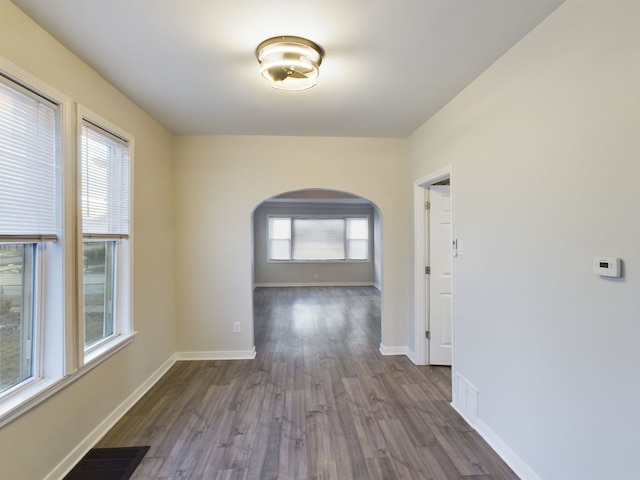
(545, 151)
(221, 179)
(32, 446)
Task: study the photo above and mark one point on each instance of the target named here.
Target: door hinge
(427, 270)
(427, 335)
(427, 205)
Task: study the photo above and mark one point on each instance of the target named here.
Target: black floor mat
(108, 464)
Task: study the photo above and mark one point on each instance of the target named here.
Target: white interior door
(439, 253)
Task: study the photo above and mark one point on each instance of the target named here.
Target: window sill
(104, 351)
(27, 397)
(39, 390)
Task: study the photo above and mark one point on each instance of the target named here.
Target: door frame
(421, 298)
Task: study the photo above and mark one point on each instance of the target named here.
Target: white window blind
(27, 163)
(105, 183)
(318, 239)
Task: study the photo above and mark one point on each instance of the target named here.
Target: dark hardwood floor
(318, 402)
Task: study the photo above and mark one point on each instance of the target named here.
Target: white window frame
(123, 330)
(344, 217)
(54, 263)
(348, 239)
(59, 356)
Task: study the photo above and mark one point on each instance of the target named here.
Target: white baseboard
(315, 284)
(514, 462)
(101, 430)
(218, 355)
(394, 350)
(378, 286)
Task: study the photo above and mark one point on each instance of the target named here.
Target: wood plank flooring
(318, 402)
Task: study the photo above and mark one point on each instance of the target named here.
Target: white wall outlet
(236, 327)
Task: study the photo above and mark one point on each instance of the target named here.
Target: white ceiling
(389, 64)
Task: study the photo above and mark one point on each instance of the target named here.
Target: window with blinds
(47, 196)
(318, 239)
(104, 170)
(28, 217)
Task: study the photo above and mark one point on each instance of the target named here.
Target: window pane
(358, 228)
(280, 228)
(318, 239)
(280, 250)
(358, 249)
(16, 314)
(27, 164)
(98, 291)
(105, 182)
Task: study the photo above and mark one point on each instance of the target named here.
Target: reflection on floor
(318, 402)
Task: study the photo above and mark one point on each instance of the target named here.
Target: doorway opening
(317, 238)
(434, 272)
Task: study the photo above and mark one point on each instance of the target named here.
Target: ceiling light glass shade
(289, 63)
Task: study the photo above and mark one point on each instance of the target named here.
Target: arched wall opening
(316, 203)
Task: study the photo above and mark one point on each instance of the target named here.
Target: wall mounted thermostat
(606, 266)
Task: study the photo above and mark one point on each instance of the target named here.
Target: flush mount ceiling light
(289, 63)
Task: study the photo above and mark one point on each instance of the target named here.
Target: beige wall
(221, 179)
(545, 151)
(32, 446)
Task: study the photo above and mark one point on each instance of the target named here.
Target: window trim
(344, 216)
(31, 304)
(54, 265)
(114, 287)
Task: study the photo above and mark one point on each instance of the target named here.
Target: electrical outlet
(236, 327)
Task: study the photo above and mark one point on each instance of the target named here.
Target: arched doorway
(317, 238)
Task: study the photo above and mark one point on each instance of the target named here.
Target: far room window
(280, 238)
(105, 198)
(358, 238)
(318, 239)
